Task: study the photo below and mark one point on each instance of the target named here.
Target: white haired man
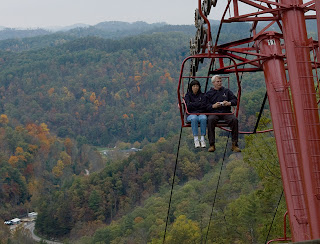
(219, 101)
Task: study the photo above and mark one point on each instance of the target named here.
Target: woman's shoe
(196, 144)
(203, 144)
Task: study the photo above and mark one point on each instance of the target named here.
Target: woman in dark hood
(196, 103)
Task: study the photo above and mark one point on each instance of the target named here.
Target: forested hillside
(103, 90)
(34, 161)
(60, 95)
(21, 40)
(128, 201)
(75, 87)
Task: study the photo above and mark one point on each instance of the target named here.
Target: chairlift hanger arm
(254, 62)
(236, 43)
(311, 3)
(277, 4)
(268, 26)
(254, 16)
(243, 51)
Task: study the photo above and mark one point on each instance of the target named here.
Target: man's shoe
(235, 148)
(211, 149)
(203, 144)
(196, 144)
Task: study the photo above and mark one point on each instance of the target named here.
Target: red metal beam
(318, 19)
(263, 1)
(285, 133)
(299, 155)
(306, 110)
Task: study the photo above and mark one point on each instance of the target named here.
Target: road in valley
(30, 226)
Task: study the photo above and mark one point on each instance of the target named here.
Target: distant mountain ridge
(8, 33)
(65, 28)
(18, 40)
(113, 29)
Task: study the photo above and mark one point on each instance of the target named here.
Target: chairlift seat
(221, 122)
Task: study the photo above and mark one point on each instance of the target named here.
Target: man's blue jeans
(195, 120)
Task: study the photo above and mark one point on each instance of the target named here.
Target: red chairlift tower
(289, 60)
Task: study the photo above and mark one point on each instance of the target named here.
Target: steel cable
(174, 176)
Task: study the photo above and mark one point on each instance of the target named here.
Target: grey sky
(46, 13)
(43, 13)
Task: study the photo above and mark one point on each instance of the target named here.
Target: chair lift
(221, 70)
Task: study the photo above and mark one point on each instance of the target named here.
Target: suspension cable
(215, 195)
(274, 216)
(174, 176)
(260, 113)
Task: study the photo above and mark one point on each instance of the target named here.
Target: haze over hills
(22, 40)
(109, 29)
(65, 28)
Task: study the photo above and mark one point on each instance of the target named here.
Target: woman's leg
(203, 124)
(194, 124)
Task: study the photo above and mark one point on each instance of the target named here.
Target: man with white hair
(219, 101)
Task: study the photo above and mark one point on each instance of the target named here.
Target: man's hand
(226, 103)
(219, 104)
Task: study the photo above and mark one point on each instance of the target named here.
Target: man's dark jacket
(223, 94)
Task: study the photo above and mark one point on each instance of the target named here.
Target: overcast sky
(45, 13)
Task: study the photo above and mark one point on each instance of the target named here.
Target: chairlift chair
(222, 69)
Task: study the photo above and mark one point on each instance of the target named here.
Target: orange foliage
(68, 144)
(96, 103)
(32, 129)
(50, 91)
(41, 132)
(44, 128)
(32, 186)
(19, 151)
(166, 77)
(162, 139)
(137, 77)
(93, 97)
(138, 219)
(117, 96)
(13, 160)
(132, 105)
(32, 148)
(4, 119)
(125, 116)
(19, 128)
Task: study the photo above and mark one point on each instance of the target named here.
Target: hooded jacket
(223, 94)
(196, 103)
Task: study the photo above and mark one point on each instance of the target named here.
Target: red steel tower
(289, 60)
